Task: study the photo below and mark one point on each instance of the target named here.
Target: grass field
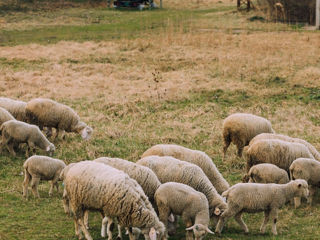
(160, 76)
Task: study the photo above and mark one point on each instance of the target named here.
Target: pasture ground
(160, 76)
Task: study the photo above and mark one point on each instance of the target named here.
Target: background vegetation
(163, 76)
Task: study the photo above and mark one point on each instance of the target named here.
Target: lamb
(5, 116)
(257, 197)
(193, 156)
(96, 186)
(180, 199)
(309, 170)
(38, 168)
(15, 132)
(48, 113)
(169, 169)
(266, 173)
(263, 136)
(240, 128)
(15, 107)
(277, 152)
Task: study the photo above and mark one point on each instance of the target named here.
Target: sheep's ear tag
(217, 211)
(153, 234)
(171, 218)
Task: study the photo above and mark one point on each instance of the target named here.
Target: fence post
(317, 14)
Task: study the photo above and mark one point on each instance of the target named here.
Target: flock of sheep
(169, 181)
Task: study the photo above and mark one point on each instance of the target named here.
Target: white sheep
(193, 156)
(5, 116)
(266, 173)
(258, 197)
(183, 200)
(169, 169)
(15, 132)
(240, 128)
(264, 136)
(277, 152)
(38, 168)
(143, 175)
(48, 113)
(97, 186)
(15, 107)
(309, 170)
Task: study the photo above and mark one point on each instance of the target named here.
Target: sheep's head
(301, 188)
(154, 233)
(50, 149)
(199, 231)
(84, 130)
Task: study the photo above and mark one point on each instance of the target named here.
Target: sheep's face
(133, 233)
(50, 149)
(86, 133)
(199, 231)
(302, 188)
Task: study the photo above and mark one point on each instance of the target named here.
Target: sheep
(183, 200)
(143, 175)
(309, 170)
(277, 152)
(266, 173)
(258, 197)
(193, 156)
(5, 116)
(38, 168)
(48, 113)
(15, 107)
(169, 169)
(96, 186)
(240, 128)
(14, 132)
(263, 136)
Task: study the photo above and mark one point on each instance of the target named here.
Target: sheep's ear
(171, 218)
(190, 228)
(153, 234)
(217, 211)
(209, 231)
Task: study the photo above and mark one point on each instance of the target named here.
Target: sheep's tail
(225, 194)
(291, 174)
(27, 175)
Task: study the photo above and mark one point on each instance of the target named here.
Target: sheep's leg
(224, 217)
(54, 182)
(27, 178)
(109, 228)
(238, 218)
(77, 230)
(164, 213)
(240, 149)
(84, 229)
(266, 219)
(227, 141)
(86, 218)
(34, 186)
(274, 217)
(10, 149)
(189, 234)
(31, 147)
(103, 226)
(312, 191)
(297, 202)
(119, 237)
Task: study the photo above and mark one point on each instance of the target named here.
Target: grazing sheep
(15, 132)
(97, 186)
(309, 170)
(264, 136)
(180, 199)
(277, 152)
(5, 116)
(48, 113)
(266, 173)
(143, 175)
(38, 168)
(15, 107)
(257, 197)
(193, 156)
(169, 169)
(240, 128)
